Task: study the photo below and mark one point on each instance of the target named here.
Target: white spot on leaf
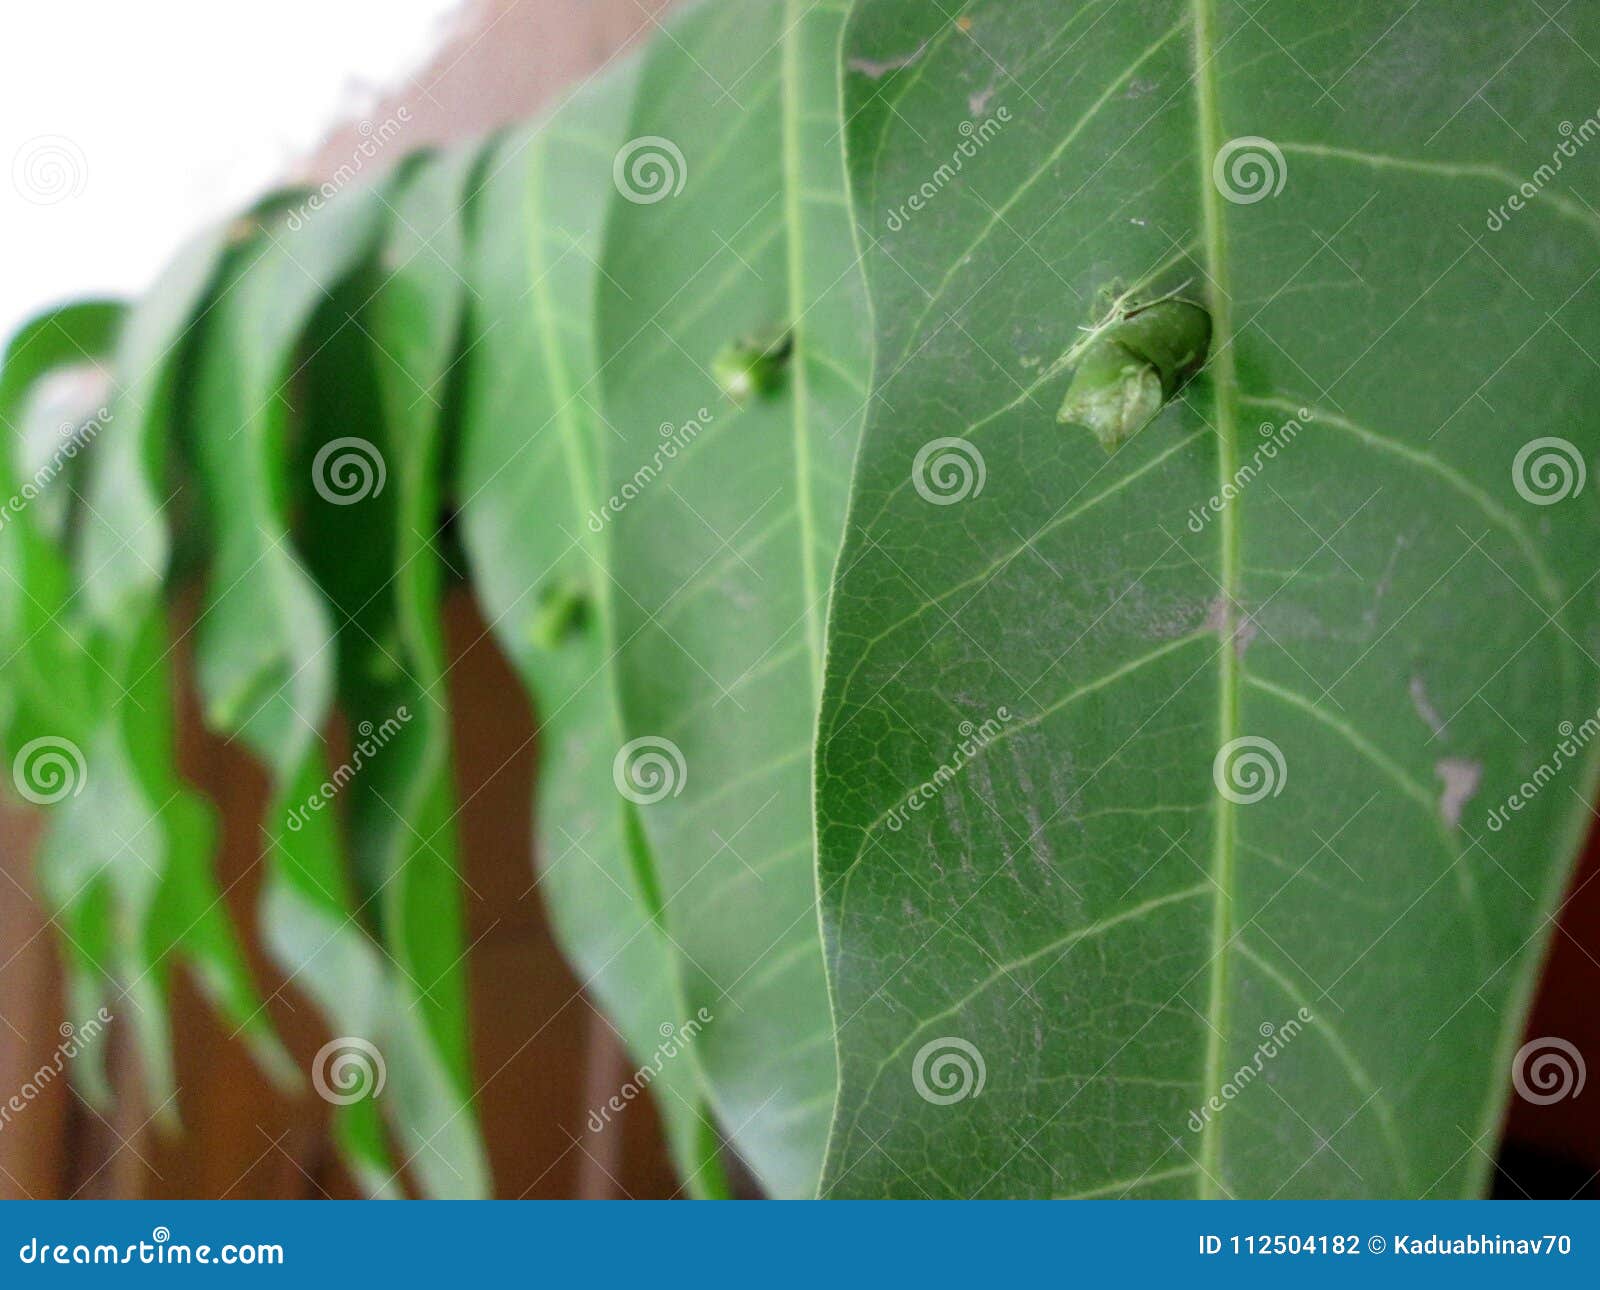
(878, 70)
(1424, 707)
(1460, 777)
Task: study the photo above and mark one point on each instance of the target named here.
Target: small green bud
(1133, 365)
(562, 613)
(753, 367)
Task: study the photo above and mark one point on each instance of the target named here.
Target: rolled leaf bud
(749, 367)
(1133, 367)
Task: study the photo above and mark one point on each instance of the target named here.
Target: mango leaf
(263, 639)
(532, 438)
(265, 643)
(122, 562)
(53, 375)
(1193, 815)
(125, 543)
(123, 861)
(732, 321)
(418, 320)
(53, 384)
(371, 444)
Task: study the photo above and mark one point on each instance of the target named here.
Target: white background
(125, 125)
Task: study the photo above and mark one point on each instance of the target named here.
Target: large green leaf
(732, 321)
(1061, 912)
(529, 478)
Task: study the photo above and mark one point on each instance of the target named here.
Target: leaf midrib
(1224, 382)
(805, 518)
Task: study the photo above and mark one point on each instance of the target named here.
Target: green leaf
(1129, 761)
(265, 643)
(417, 326)
(53, 374)
(729, 253)
(122, 563)
(125, 542)
(122, 863)
(532, 437)
(372, 448)
(52, 385)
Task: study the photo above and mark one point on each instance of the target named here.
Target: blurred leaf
(265, 643)
(123, 862)
(733, 327)
(49, 683)
(532, 440)
(376, 389)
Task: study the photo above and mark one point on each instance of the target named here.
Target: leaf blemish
(1226, 619)
(1424, 706)
(1460, 777)
(877, 70)
(561, 615)
(753, 365)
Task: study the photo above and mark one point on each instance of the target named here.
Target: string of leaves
(772, 503)
(297, 407)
